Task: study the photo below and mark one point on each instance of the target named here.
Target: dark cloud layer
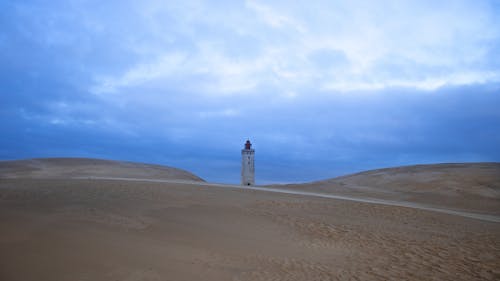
(304, 140)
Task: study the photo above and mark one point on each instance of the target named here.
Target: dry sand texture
(85, 167)
(88, 229)
(472, 187)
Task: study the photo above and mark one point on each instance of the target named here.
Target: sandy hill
(86, 167)
(464, 186)
(64, 228)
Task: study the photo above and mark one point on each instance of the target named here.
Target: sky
(321, 88)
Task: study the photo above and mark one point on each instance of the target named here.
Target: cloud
(420, 45)
(164, 66)
(273, 18)
(323, 87)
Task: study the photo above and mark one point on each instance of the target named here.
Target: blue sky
(322, 88)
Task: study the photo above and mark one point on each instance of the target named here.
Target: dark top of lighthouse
(248, 145)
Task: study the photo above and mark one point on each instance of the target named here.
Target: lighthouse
(247, 165)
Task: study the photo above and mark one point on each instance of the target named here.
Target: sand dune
(94, 229)
(83, 167)
(467, 186)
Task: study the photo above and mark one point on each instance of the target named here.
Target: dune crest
(88, 167)
(461, 186)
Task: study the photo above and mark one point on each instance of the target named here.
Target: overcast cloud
(322, 88)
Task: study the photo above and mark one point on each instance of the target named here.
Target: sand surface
(95, 229)
(471, 187)
(86, 167)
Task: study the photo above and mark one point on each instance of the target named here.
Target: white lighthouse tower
(247, 165)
